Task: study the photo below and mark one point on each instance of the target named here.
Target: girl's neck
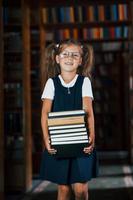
(68, 77)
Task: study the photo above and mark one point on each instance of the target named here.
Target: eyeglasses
(74, 55)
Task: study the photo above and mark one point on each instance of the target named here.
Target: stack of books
(68, 132)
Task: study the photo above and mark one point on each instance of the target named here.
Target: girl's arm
(46, 107)
(87, 106)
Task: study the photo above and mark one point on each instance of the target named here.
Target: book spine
(66, 120)
(68, 135)
(73, 138)
(66, 126)
(66, 113)
(65, 116)
(67, 130)
(70, 142)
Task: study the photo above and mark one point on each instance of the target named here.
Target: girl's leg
(81, 191)
(64, 192)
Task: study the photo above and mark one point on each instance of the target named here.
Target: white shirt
(49, 89)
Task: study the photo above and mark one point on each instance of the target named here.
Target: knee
(81, 193)
(63, 189)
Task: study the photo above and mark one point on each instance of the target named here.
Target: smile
(68, 63)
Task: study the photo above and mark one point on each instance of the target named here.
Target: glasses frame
(67, 54)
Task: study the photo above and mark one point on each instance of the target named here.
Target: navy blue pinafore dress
(69, 170)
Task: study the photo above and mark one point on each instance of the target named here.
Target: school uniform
(75, 169)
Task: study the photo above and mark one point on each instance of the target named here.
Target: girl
(67, 68)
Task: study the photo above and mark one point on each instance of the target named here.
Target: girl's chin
(69, 70)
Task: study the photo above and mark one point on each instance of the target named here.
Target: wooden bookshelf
(17, 117)
(1, 107)
(27, 94)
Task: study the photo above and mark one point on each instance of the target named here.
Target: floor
(114, 183)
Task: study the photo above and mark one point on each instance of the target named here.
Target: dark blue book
(114, 12)
(96, 18)
(107, 12)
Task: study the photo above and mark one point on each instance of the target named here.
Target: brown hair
(51, 68)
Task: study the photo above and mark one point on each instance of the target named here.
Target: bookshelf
(17, 117)
(13, 94)
(1, 108)
(24, 79)
(107, 20)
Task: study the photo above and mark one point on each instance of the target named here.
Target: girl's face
(70, 58)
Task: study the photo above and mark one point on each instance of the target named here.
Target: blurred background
(26, 28)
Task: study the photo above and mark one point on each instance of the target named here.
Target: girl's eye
(76, 55)
(65, 54)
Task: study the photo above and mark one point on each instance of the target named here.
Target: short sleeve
(87, 88)
(48, 92)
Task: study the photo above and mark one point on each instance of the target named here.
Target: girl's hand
(90, 148)
(48, 147)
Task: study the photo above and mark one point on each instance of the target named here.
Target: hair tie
(57, 45)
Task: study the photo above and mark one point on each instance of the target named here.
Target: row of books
(89, 33)
(12, 15)
(104, 46)
(110, 46)
(106, 69)
(105, 108)
(13, 123)
(105, 120)
(89, 13)
(15, 148)
(13, 64)
(13, 94)
(13, 74)
(104, 82)
(10, 87)
(105, 59)
(105, 137)
(102, 95)
(13, 41)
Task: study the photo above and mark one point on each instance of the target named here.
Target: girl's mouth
(68, 63)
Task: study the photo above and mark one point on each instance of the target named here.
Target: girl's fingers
(88, 149)
(52, 151)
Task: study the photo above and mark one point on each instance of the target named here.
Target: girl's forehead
(71, 47)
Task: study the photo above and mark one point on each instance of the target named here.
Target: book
(68, 132)
(67, 126)
(66, 113)
(66, 120)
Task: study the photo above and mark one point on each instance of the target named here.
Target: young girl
(67, 68)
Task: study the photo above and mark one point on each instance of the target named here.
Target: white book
(68, 134)
(84, 137)
(63, 113)
(66, 126)
(70, 142)
(67, 130)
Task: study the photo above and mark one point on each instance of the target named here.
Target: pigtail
(48, 61)
(87, 60)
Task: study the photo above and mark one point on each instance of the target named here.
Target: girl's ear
(57, 59)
